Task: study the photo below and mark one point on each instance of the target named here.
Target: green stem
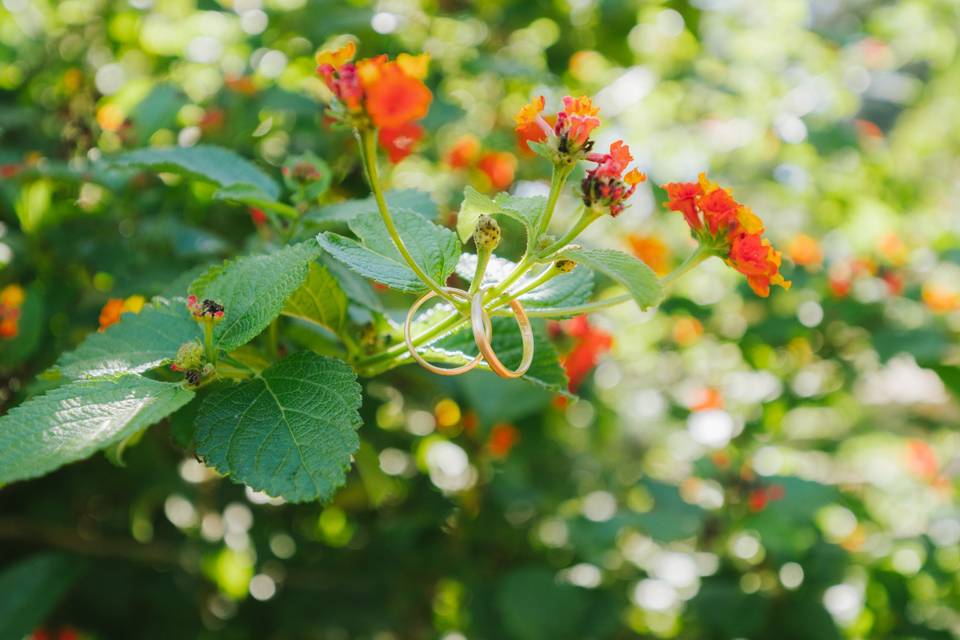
(590, 307)
(368, 154)
(522, 267)
(283, 209)
(545, 276)
(587, 217)
(452, 321)
(692, 261)
(557, 180)
(208, 349)
(483, 259)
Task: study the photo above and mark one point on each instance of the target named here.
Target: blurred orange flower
(463, 153)
(115, 307)
(395, 98)
(400, 141)
(499, 167)
(940, 299)
(805, 251)
(503, 437)
(11, 299)
(686, 330)
(589, 344)
(653, 251)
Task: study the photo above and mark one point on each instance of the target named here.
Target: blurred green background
(735, 468)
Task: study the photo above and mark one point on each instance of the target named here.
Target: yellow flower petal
(414, 66)
(750, 221)
(337, 57)
(134, 304)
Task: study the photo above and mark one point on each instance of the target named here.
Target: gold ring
(479, 317)
(455, 371)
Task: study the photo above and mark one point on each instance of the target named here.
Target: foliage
(695, 463)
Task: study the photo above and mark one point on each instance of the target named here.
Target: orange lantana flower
(115, 307)
(463, 153)
(499, 168)
(503, 437)
(569, 130)
(805, 251)
(338, 57)
(396, 99)
(728, 229)
(754, 256)
(589, 344)
(11, 299)
(605, 186)
(653, 251)
(400, 141)
(389, 95)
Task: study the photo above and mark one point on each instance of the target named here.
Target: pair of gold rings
(482, 335)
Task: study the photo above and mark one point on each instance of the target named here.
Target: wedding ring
(484, 323)
(480, 319)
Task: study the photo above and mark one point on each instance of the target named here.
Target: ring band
(479, 319)
(484, 320)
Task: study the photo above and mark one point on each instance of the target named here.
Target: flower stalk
(368, 154)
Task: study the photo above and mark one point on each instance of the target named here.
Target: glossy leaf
(71, 422)
(216, 164)
(137, 343)
(434, 248)
(628, 271)
(253, 290)
(290, 432)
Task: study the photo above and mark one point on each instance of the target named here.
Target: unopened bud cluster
(205, 310)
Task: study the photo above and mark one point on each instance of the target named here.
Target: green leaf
(632, 273)
(216, 164)
(31, 589)
(526, 210)
(71, 422)
(545, 370)
(369, 264)
(253, 290)
(246, 194)
(566, 290)
(434, 248)
(319, 299)
(139, 342)
(290, 432)
(419, 201)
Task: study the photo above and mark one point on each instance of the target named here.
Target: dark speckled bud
(487, 234)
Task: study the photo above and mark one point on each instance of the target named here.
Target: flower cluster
(566, 133)
(115, 307)
(387, 94)
(11, 299)
(728, 229)
(206, 310)
(605, 186)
